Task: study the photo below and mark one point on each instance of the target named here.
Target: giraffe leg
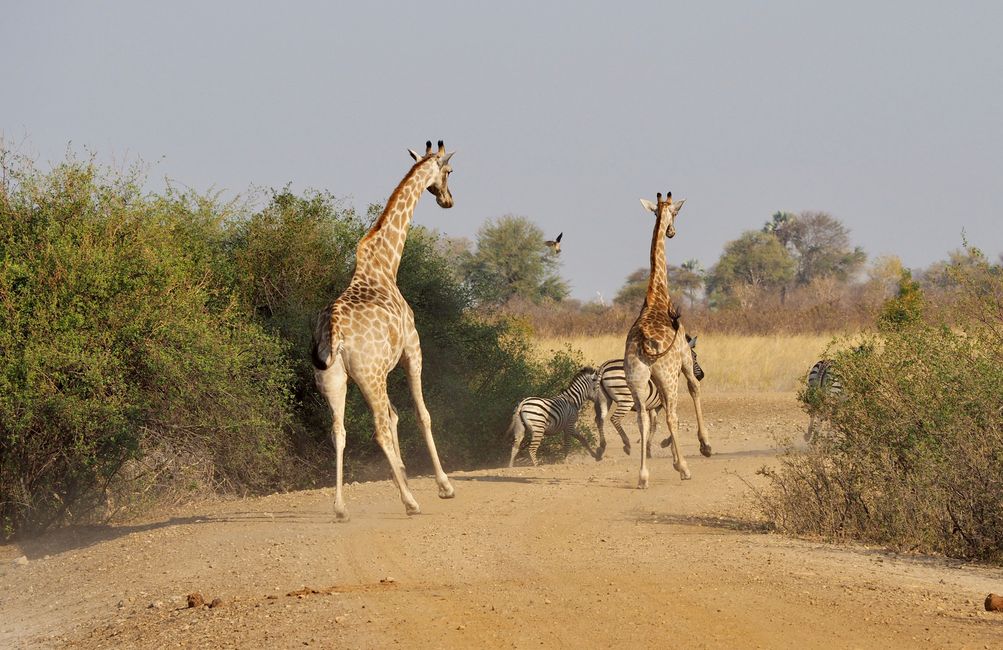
(394, 419)
(412, 365)
(693, 386)
(637, 381)
(375, 393)
(672, 420)
(333, 383)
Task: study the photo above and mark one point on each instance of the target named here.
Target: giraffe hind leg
(333, 384)
(412, 365)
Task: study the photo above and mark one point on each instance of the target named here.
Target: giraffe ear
(677, 206)
(414, 155)
(648, 205)
(445, 159)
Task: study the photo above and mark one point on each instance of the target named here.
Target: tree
(755, 260)
(511, 261)
(819, 244)
(688, 278)
(634, 288)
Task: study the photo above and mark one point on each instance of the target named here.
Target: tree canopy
(510, 261)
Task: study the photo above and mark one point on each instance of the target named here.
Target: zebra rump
(320, 348)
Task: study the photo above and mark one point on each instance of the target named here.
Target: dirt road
(568, 555)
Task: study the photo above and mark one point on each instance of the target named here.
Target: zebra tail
(321, 348)
(515, 424)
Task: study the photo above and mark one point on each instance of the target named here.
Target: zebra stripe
(822, 383)
(613, 396)
(541, 416)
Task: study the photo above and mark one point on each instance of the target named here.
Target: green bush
(914, 455)
(118, 335)
(154, 346)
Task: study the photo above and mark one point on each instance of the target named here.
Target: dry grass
(731, 362)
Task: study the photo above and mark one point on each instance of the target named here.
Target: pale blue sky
(888, 115)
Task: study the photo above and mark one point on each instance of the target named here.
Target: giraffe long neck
(658, 284)
(378, 254)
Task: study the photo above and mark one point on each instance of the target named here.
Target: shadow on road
(707, 521)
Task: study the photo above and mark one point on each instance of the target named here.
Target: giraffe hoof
(340, 515)
(705, 449)
(668, 441)
(446, 491)
(412, 510)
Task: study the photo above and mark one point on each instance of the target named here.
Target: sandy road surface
(564, 555)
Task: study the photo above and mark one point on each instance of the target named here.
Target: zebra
(821, 383)
(612, 390)
(542, 416)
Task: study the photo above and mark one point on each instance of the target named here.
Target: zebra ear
(648, 205)
(692, 341)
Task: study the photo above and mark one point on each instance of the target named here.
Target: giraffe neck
(378, 254)
(658, 284)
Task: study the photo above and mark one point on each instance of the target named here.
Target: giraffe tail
(322, 349)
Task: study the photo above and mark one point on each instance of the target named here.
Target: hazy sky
(888, 115)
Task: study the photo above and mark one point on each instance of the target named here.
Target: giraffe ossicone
(369, 329)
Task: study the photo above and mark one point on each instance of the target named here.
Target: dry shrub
(914, 455)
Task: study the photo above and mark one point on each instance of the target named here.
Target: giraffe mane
(394, 196)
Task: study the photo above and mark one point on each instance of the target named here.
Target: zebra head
(584, 385)
(697, 370)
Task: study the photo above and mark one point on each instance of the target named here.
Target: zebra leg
(580, 438)
(810, 433)
(602, 408)
(333, 383)
(654, 428)
(534, 443)
(518, 430)
(619, 410)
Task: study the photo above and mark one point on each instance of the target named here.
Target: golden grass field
(730, 362)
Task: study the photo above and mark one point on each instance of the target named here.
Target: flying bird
(554, 244)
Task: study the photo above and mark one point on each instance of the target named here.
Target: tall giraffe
(656, 341)
(369, 329)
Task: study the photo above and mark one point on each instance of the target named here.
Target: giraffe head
(440, 172)
(666, 210)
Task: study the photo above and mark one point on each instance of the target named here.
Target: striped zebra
(542, 416)
(613, 391)
(822, 382)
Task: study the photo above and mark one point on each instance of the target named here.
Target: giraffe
(656, 341)
(369, 329)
